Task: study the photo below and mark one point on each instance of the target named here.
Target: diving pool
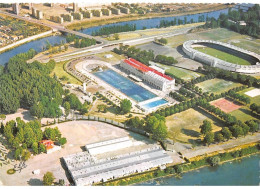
(125, 85)
(153, 104)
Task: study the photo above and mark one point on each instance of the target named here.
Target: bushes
(178, 96)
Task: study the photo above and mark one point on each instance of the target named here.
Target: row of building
(150, 75)
(85, 169)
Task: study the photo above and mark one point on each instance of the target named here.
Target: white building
(148, 74)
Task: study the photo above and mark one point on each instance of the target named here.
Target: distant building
(149, 75)
(15, 7)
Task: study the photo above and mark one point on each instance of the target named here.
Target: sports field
(223, 55)
(225, 105)
(184, 126)
(255, 99)
(244, 114)
(181, 73)
(217, 85)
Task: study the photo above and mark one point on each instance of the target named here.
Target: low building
(149, 75)
(47, 143)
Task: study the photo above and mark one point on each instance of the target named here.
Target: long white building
(149, 75)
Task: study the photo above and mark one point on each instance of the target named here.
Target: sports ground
(217, 85)
(225, 105)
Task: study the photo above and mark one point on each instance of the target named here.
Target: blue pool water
(125, 85)
(154, 103)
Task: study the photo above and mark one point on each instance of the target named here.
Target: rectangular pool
(153, 104)
(125, 85)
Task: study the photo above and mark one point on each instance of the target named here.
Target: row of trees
(187, 93)
(154, 124)
(143, 55)
(167, 23)
(239, 97)
(255, 108)
(177, 96)
(231, 21)
(114, 29)
(203, 78)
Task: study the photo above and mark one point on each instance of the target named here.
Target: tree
(205, 127)
(178, 169)
(214, 160)
(48, 179)
(83, 110)
(219, 137)
(61, 182)
(116, 36)
(42, 148)
(125, 106)
(226, 133)
(35, 148)
(2, 117)
(62, 141)
(26, 155)
(209, 138)
(37, 110)
(236, 131)
(253, 125)
(67, 108)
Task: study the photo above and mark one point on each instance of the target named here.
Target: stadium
(191, 48)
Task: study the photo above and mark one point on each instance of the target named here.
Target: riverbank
(25, 40)
(98, 22)
(236, 153)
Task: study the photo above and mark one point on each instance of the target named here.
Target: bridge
(56, 27)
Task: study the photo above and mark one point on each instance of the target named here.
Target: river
(240, 172)
(148, 23)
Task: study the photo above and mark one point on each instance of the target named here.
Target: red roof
(143, 68)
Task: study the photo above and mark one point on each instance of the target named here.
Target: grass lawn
(59, 71)
(181, 73)
(255, 99)
(219, 34)
(223, 55)
(243, 114)
(184, 126)
(217, 85)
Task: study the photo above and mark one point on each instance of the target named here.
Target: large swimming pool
(125, 85)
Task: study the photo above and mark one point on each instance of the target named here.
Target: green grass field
(181, 73)
(255, 99)
(217, 85)
(223, 55)
(243, 114)
(59, 71)
(184, 126)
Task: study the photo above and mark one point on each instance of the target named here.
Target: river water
(148, 23)
(240, 172)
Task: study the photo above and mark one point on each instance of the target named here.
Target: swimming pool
(125, 85)
(153, 104)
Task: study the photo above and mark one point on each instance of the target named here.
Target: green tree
(125, 106)
(226, 133)
(209, 138)
(205, 127)
(35, 148)
(37, 110)
(236, 131)
(42, 148)
(116, 36)
(219, 137)
(2, 117)
(48, 179)
(214, 160)
(26, 155)
(67, 108)
(62, 141)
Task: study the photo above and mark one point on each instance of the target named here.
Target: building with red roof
(149, 75)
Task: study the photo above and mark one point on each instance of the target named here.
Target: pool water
(125, 85)
(154, 103)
